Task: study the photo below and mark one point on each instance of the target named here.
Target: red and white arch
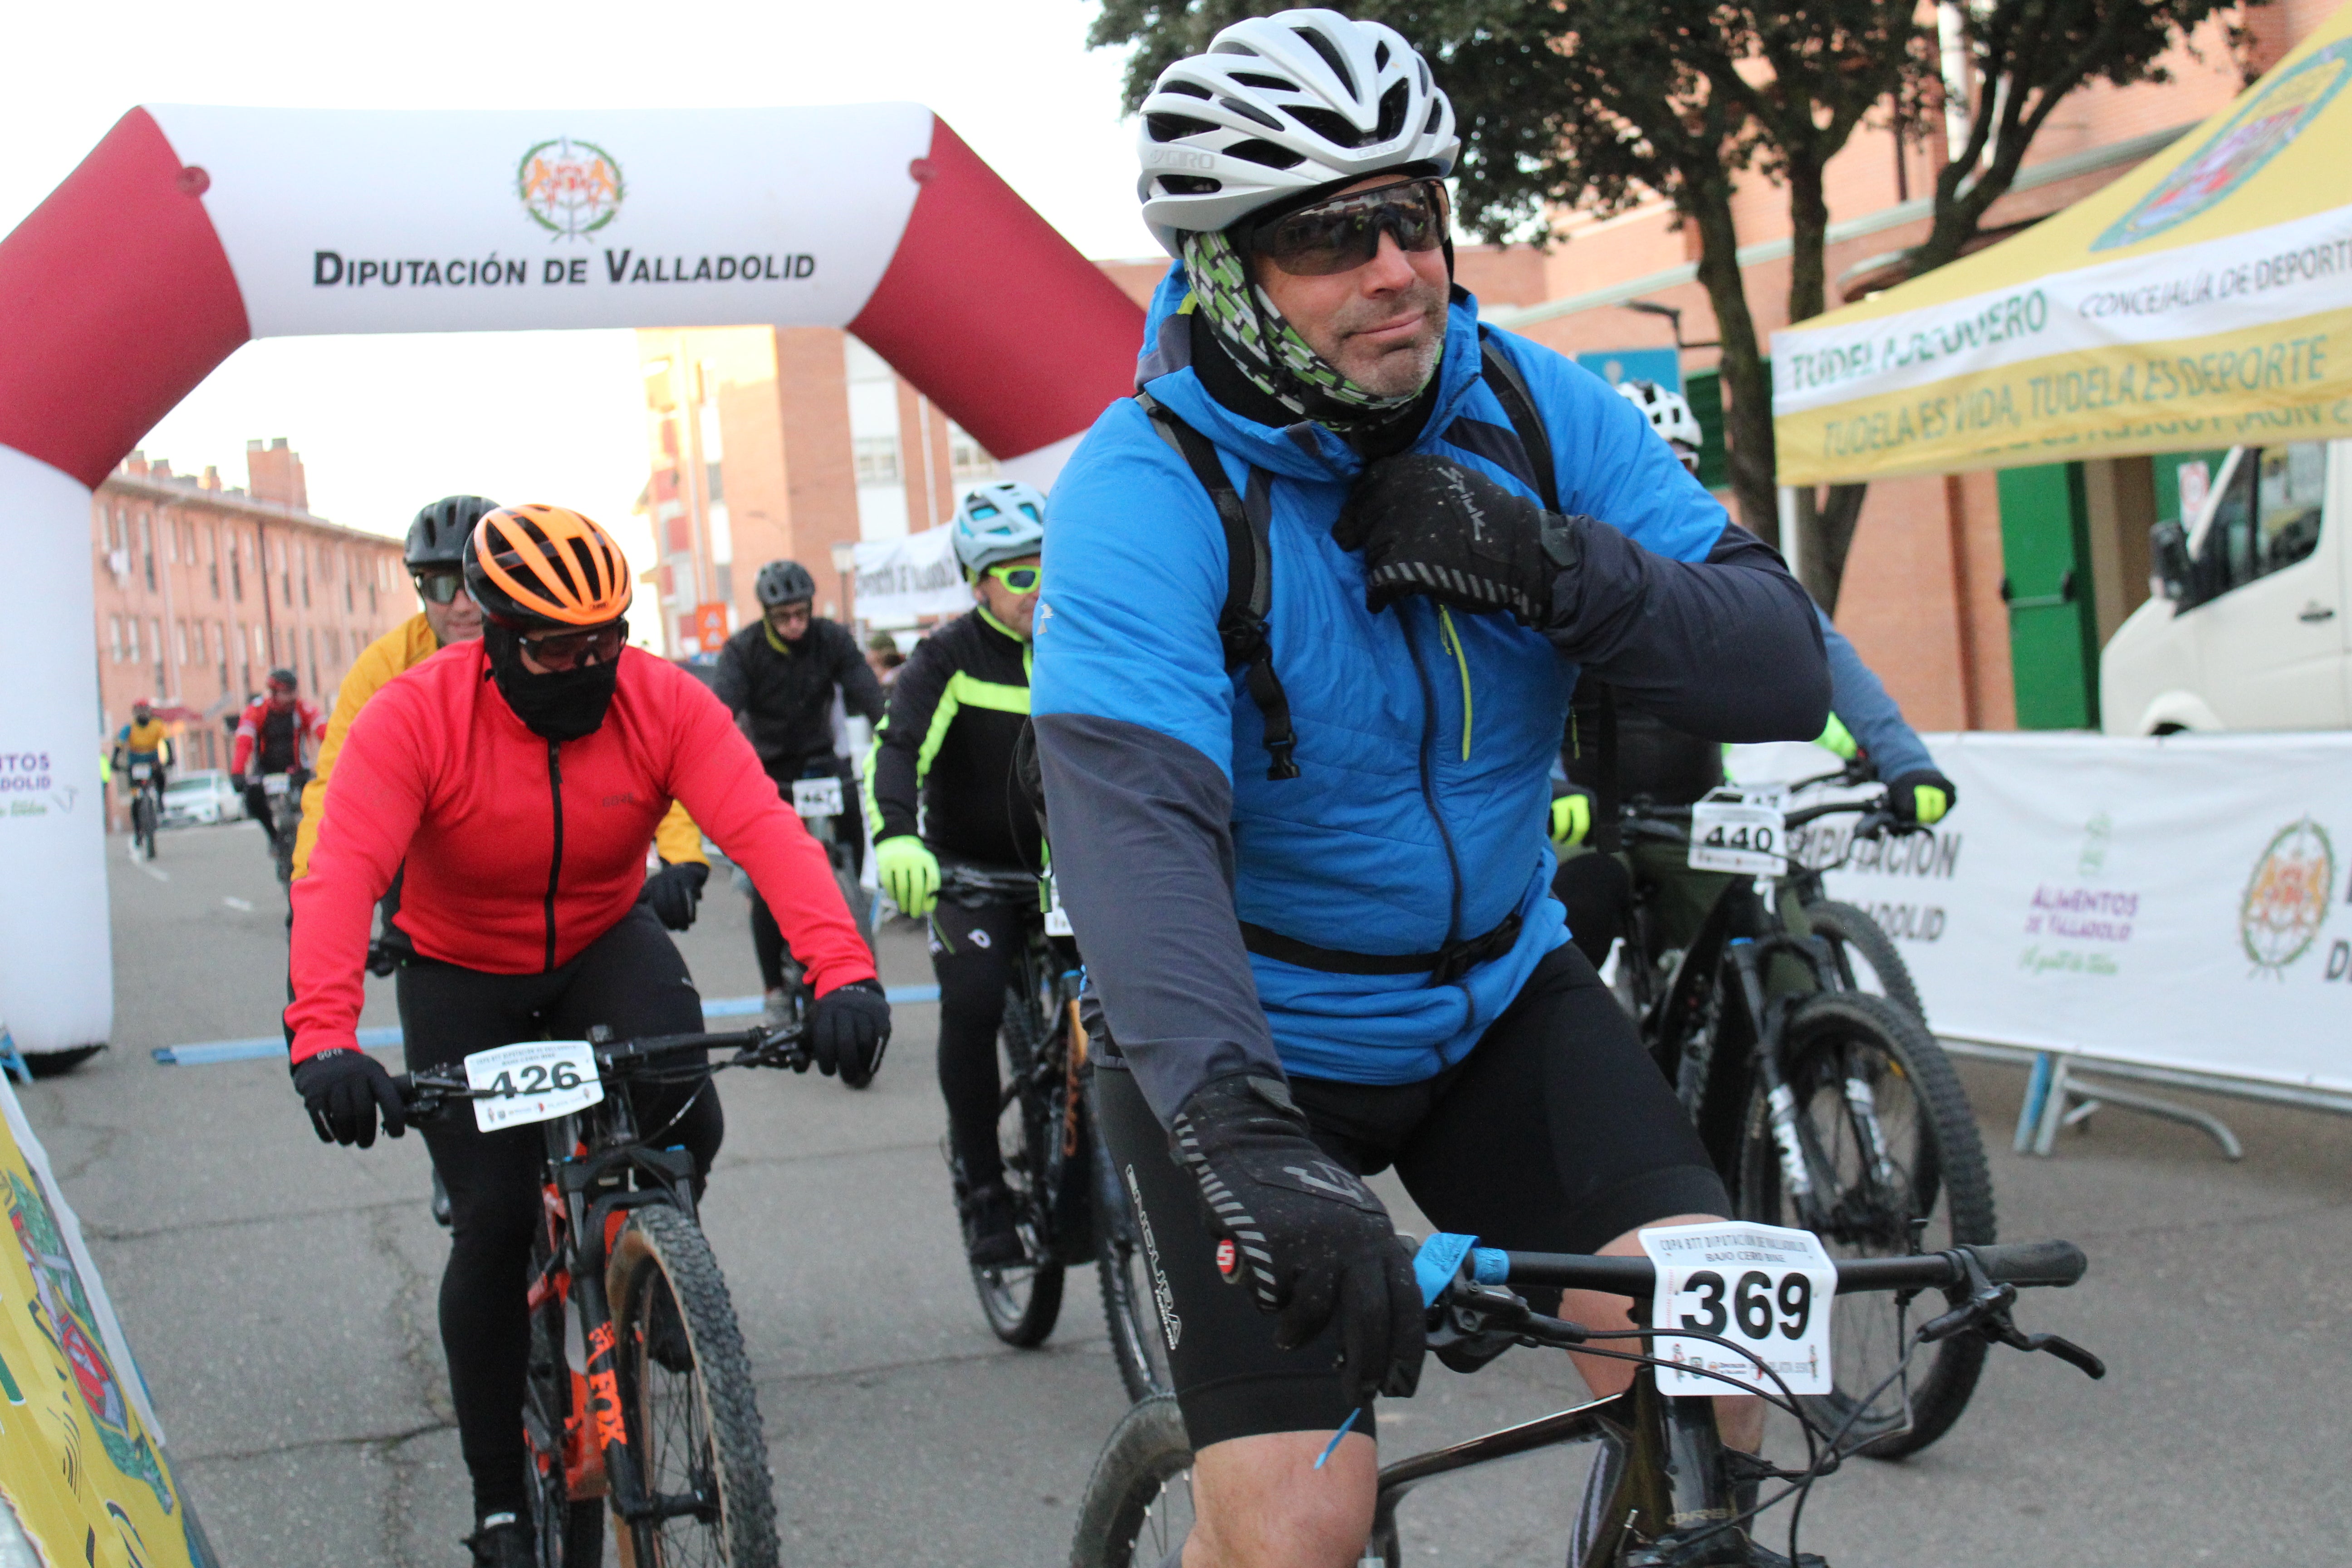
(188, 231)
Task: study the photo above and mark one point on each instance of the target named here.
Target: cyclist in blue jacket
(1304, 851)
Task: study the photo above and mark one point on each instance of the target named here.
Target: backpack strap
(1249, 573)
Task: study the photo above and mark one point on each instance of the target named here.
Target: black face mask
(562, 706)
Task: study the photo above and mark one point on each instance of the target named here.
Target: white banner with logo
(2182, 903)
(902, 580)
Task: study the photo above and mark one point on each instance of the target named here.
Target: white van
(2247, 625)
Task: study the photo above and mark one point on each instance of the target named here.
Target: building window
(877, 460)
(114, 636)
(236, 569)
(147, 551)
(967, 457)
(180, 640)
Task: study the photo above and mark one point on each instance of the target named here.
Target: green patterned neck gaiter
(1244, 319)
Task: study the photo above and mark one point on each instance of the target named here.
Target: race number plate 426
(1762, 1286)
(536, 1080)
(818, 797)
(1744, 834)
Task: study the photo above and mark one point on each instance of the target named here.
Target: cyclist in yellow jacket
(436, 559)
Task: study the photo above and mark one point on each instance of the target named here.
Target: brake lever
(2067, 1351)
(1987, 1311)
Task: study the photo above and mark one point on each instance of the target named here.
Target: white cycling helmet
(1669, 413)
(999, 522)
(1279, 106)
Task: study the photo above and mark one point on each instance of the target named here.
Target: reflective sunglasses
(1342, 234)
(1020, 579)
(438, 588)
(566, 650)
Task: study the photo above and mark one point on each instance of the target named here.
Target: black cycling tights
(971, 953)
(632, 978)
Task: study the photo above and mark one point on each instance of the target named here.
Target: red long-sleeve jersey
(308, 726)
(520, 852)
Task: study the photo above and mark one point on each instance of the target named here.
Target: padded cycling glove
(1429, 525)
(1301, 1231)
(910, 873)
(343, 1090)
(673, 891)
(848, 1029)
(1571, 819)
(1922, 797)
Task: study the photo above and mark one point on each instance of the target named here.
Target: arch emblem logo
(2286, 899)
(569, 187)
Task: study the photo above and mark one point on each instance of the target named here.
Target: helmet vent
(1251, 78)
(1189, 89)
(1381, 57)
(1174, 127)
(1250, 111)
(1190, 185)
(1392, 108)
(1233, 46)
(1259, 151)
(1331, 57)
(1430, 128)
(1330, 126)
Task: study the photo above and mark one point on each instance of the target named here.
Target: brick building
(202, 589)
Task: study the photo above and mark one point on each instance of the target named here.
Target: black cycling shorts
(1555, 1134)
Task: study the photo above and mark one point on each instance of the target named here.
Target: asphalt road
(280, 1294)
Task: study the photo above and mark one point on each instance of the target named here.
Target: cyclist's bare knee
(1738, 1416)
(1261, 1503)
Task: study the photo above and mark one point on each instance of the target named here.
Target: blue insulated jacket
(1425, 737)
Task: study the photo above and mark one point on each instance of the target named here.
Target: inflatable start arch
(189, 230)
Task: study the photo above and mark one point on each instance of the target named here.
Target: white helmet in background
(1278, 107)
(1001, 522)
(1669, 414)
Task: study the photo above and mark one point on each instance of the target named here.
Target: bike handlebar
(2031, 1263)
(426, 1091)
(997, 884)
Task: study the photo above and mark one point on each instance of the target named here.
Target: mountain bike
(1865, 955)
(146, 808)
(1054, 1170)
(1823, 1106)
(1664, 1491)
(637, 1396)
(283, 794)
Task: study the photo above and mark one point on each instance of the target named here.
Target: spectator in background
(882, 656)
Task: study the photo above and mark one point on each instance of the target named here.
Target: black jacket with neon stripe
(956, 712)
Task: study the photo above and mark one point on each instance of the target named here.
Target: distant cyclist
(779, 677)
(518, 778)
(275, 736)
(145, 742)
(939, 790)
(1674, 768)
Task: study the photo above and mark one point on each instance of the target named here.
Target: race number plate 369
(536, 1080)
(1745, 836)
(1762, 1286)
(818, 797)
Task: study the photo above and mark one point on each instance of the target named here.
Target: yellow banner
(2290, 382)
(83, 1479)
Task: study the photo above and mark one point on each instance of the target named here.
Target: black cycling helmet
(784, 582)
(439, 536)
(284, 680)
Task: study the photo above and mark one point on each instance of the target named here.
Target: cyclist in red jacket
(519, 779)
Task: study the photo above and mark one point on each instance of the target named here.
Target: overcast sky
(386, 424)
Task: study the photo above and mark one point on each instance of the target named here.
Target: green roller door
(2053, 649)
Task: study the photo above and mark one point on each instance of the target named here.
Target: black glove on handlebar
(343, 1090)
(848, 1029)
(1922, 797)
(1429, 525)
(1302, 1231)
(673, 891)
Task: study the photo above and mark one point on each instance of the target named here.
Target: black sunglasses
(1342, 234)
(567, 651)
(438, 588)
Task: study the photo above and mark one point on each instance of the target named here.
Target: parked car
(205, 796)
(2246, 626)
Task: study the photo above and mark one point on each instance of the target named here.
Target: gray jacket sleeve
(1860, 703)
(1130, 808)
(1727, 649)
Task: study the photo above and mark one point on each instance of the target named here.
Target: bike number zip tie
(1332, 1447)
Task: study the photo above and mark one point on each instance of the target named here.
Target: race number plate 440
(1742, 833)
(536, 1080)
(1762, 1286)
(818, 797)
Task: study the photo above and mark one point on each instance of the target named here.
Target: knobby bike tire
(1023, 1301)
(1123, 1266)
(1831, 1040)
(694, 1428)
(1855, 928)
(569, 1531)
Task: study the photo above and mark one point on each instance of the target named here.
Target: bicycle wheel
(1870, 954)
(1123, 1265)
(1023, 1299)
(570, 1531)
(684, 1393)
(1889, 1139)
(142, 826)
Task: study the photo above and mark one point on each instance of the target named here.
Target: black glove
(673, 891)
(1922, 797)
(1429, 525)
(848, 1029)
(342, 1090)
(1302, 1231)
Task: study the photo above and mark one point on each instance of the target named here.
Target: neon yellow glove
(1571, 819)
(1838, 739)
(910, 873)
(1922, 797)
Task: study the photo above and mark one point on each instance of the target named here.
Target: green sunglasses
(1020, 579)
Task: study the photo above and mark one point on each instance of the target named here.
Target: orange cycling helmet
(537, 566)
